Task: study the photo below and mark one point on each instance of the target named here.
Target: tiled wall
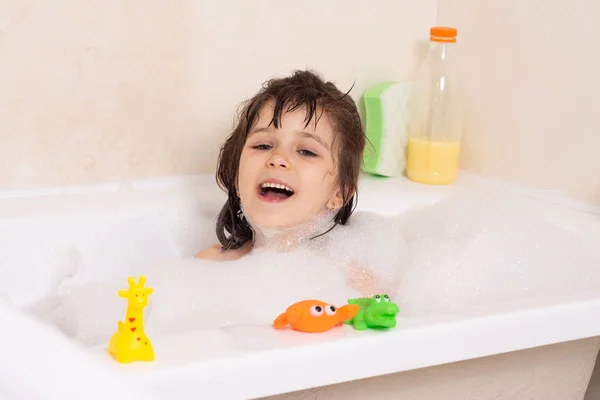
(101, 90)
(532, 82)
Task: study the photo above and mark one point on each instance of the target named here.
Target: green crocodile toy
(376, 312)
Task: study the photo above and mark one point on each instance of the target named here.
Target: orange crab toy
(313, 316)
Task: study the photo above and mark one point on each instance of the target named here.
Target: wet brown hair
(301, 89)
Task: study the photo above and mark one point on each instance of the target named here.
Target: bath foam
(282, 239)
(386, 116)
(479, 249)
(86, 312)
(200, 294)
(370, 250)
(361, 258)
(250, 291)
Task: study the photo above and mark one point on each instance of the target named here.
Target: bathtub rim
(427, 342)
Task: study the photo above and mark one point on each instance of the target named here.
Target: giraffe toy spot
(133, 329)
(131, 319)
(138, 339)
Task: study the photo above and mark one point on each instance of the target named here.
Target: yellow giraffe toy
(130, 343)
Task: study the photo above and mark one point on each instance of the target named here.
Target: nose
(278, 160)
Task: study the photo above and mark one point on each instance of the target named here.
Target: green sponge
(386, 117)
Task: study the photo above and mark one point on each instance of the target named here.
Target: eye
(316, 311)
(330, 310)
(378, 298)
(307, 153)
(261, 147)
(386, 298)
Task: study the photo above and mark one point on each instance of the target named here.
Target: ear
(122, 293)
(336, 201)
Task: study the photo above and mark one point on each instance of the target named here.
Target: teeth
(276, 186)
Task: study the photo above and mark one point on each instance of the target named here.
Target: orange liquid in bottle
(432, 162)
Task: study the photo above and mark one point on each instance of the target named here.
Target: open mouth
(274, 192)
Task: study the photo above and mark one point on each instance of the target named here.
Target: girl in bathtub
(290, 169)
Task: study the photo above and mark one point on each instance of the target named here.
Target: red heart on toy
(131, 319)
(133, 329)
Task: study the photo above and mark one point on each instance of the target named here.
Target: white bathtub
(542, 349)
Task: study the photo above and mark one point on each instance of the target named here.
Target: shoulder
(216, 254)
(210, 253)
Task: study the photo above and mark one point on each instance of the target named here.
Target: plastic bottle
(435, 124)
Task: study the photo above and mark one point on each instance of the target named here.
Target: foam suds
(283, 239)
(198, 294)
(474, 249)
(484, 248)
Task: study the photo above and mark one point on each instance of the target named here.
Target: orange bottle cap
(443, 34)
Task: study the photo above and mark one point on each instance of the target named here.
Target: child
(290, 167)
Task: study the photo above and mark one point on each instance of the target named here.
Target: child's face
(275, 160)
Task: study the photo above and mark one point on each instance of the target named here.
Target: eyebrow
(314, 137)
(302, 133)
(263, 129)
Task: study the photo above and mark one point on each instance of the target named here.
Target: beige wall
(533, 90)
(94, 90)
(100, 90)
(103, 90)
